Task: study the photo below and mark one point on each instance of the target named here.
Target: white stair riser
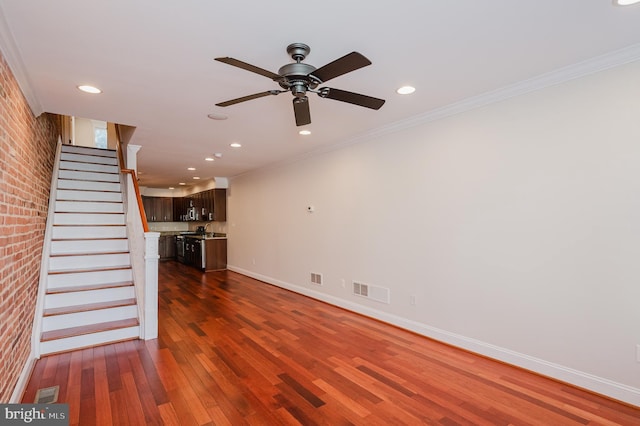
(100, 177)
(88, 246)
(86, 150)
(88, 232)
(88, 261)
(88, 219)
(92, 296)
(88, 167)
(67, 156)
(58, 322)
(69, 194)
(89, 207)
(75, 279)
(94, 186)
(88, 340)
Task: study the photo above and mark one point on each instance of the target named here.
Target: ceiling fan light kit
(300, 78)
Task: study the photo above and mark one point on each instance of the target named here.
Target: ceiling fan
(300, 78)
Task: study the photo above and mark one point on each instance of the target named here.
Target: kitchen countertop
(207, 236)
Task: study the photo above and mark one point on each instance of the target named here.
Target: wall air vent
(379, 294)
(316, 278)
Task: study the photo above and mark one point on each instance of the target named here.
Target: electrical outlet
(253, 260)
(344, 283)
(412, 300)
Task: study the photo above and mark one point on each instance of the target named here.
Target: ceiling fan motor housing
(297, 74)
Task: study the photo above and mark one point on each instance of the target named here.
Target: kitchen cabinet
(167, 247)
(220, 205)
(214, 204)
(216, 254)
(158, 209)
(210, 205)
(180, 206)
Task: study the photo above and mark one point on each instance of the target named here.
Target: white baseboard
(23, 380)
(608, 388)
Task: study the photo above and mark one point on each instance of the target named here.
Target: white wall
(516, 226)
(84, 135)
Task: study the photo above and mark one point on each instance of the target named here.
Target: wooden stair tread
(83, 212)
(88, 329)
(88, 307)
(68, 169)
(96, 253)
(86, 224)
(80, 270)
(72, 289)
(88, 239)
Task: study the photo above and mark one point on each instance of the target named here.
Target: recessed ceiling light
(89, 89)
(406, 90)
(191, 168)
(625, 2)
(305, 132)
(209, 159)
(171, 187)
(218, 155)
(181, 183)
(196, 177)
(217, 116)
(235, 145)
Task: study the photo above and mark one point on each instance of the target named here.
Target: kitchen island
(207, 252)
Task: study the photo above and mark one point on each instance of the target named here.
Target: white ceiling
(153, 59)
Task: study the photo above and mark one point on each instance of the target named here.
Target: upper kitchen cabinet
(158, 209)
(220, 205)
(180, 206)
(208, 206)
(214, 204)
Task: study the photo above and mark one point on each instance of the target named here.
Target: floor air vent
(379, 294)
(47, 395)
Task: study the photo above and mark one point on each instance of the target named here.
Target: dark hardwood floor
(233, 351)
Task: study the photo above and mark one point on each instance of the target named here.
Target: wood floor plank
(103, 415)
(232, 350)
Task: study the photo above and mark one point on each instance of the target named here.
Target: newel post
(151, 257)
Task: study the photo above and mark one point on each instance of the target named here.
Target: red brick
(27, 149)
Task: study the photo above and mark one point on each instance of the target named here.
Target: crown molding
(14, 59)
(590, 66)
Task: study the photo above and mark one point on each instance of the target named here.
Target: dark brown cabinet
(214, 204)
(180, 206)
(216, 254)
(158, 209)
(167, 247)
(209, 205)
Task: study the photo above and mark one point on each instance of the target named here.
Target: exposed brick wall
(27, 150)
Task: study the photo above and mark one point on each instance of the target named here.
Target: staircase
(90, 296)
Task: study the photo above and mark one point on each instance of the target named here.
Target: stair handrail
(143, 215)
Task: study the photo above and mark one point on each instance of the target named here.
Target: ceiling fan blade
(249, 67)
(347, 63)
(247, 98)
(350, 97)
(301, 111)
